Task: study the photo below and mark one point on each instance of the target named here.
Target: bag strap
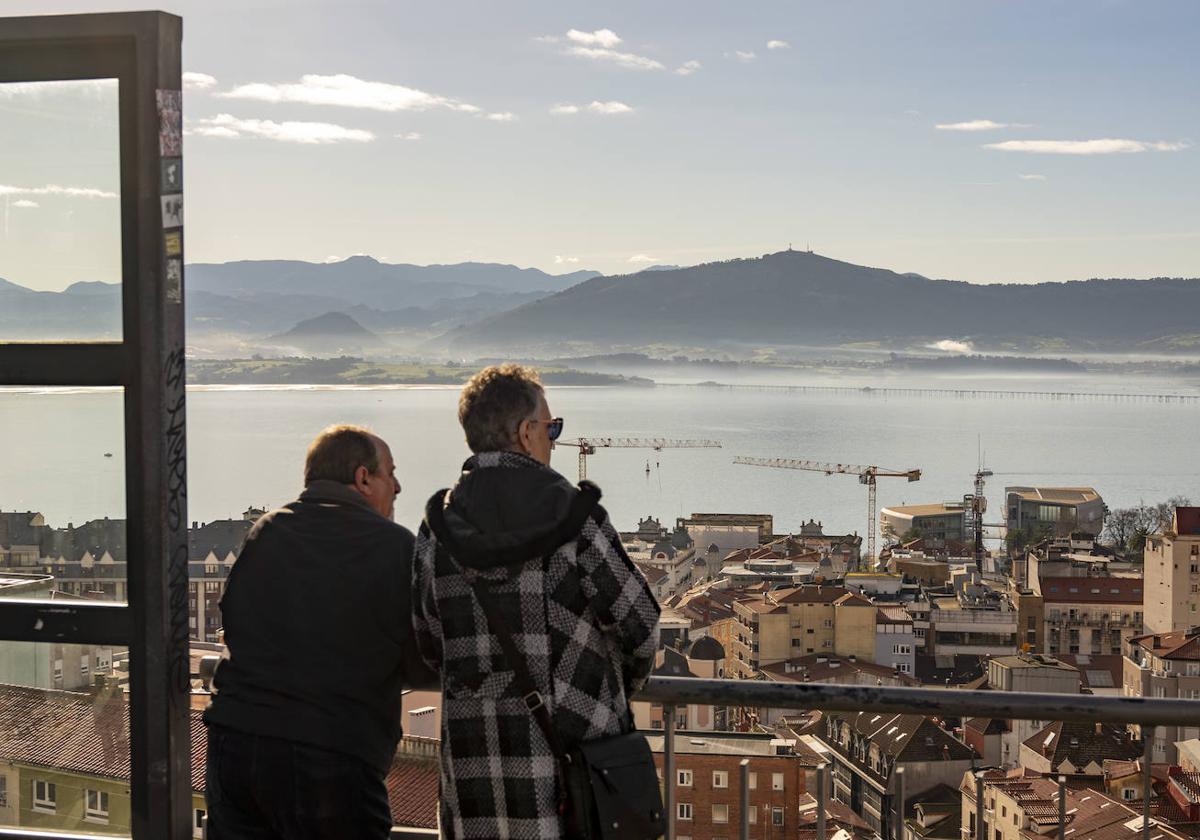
(581, 508)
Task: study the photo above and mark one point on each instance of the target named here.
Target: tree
(1126, 529)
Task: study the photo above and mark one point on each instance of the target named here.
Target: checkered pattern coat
(588, 625)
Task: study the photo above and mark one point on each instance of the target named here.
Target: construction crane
(588, 446)
(866, 475)
(975, 505)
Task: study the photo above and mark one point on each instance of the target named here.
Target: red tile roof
(1179, 644)
(1091, 590)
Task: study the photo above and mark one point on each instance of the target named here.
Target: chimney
(1099, 728)
(422, 723)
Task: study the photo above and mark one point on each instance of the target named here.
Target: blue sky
(448, 133)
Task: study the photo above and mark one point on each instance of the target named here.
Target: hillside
(331, 334)
(800, 298)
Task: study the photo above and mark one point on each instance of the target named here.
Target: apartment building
(1171, 564)
(971, 617)
(782, 624)
(1165, 665)
(728, 531)
(1027, 673)
(707, 783)
(1091, 615)
(866, 750)
(1020, 806)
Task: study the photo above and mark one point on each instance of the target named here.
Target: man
(576, 607)
(317, 618)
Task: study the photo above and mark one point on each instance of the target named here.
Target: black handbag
(609, 787)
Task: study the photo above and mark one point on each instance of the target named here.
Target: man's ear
(361, 474)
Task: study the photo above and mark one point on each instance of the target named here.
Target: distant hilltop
(801, 298)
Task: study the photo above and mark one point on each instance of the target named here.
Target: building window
(902, 667)
(83, 667)
(720, 778)
(720, 813)
(1128, 794)
(753, 783)
(752, 813)
(96, 806)
(45, 796)
(3, 791)
(198, 823)
(776, 816)
(683, 810)
(685, 778)
(777, 783)
(58, 670)
(903, 650)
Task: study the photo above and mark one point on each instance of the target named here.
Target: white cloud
(504, 116)
(25, 203)
(546, 39)
(560, 260)
(1032, 177)
(565, 109)
(611, 107)
(605, 38)
(409, 135)
(744, 55)
(1104, 146)
(37, 90)
(228, 126)
(949, 345)
(643, 258)
(348, 92)
(624, 59)
(978, 125)
(687, 68)
(778, 45)
(55, 189)
(198, 81)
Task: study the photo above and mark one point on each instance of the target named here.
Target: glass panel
(62, 495)
(60, 221)
(64, 754)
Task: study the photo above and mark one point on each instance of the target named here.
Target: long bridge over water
(964, 393)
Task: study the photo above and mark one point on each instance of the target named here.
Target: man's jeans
(268, 789)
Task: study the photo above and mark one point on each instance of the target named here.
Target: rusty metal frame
(142, 51)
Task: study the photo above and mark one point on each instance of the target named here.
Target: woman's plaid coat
(579, 609)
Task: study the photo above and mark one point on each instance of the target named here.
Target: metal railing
(670, 692)
(682, 691)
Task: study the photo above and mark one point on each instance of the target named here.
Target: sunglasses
(553, 427)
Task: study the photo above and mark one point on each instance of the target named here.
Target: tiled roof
(1091, 590)
(652, 574)
(809, 668)
(1175, 645)
(1082, 743)
(1096, 670)
(813, 595)
(77, 732)
(412, 785)
(853, 599)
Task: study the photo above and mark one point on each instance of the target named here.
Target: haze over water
(246, 448)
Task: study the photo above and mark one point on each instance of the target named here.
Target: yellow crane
(588, 446)
(866, 475)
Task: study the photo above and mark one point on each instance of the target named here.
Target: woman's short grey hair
(493, 404)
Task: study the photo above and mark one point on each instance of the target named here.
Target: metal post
(980, 834)
(821, 801)
(1062, 807)
(900, 803)
(744, 798)
(669, 768)
(1147, 778)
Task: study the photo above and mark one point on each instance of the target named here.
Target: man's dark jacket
(318, 622)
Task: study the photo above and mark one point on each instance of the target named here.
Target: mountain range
(790, 298)
(803, 299)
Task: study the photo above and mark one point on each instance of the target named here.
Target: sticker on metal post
(173, 243)
(172, 211)
(172, 175)
(170, 122)
(173, 280)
